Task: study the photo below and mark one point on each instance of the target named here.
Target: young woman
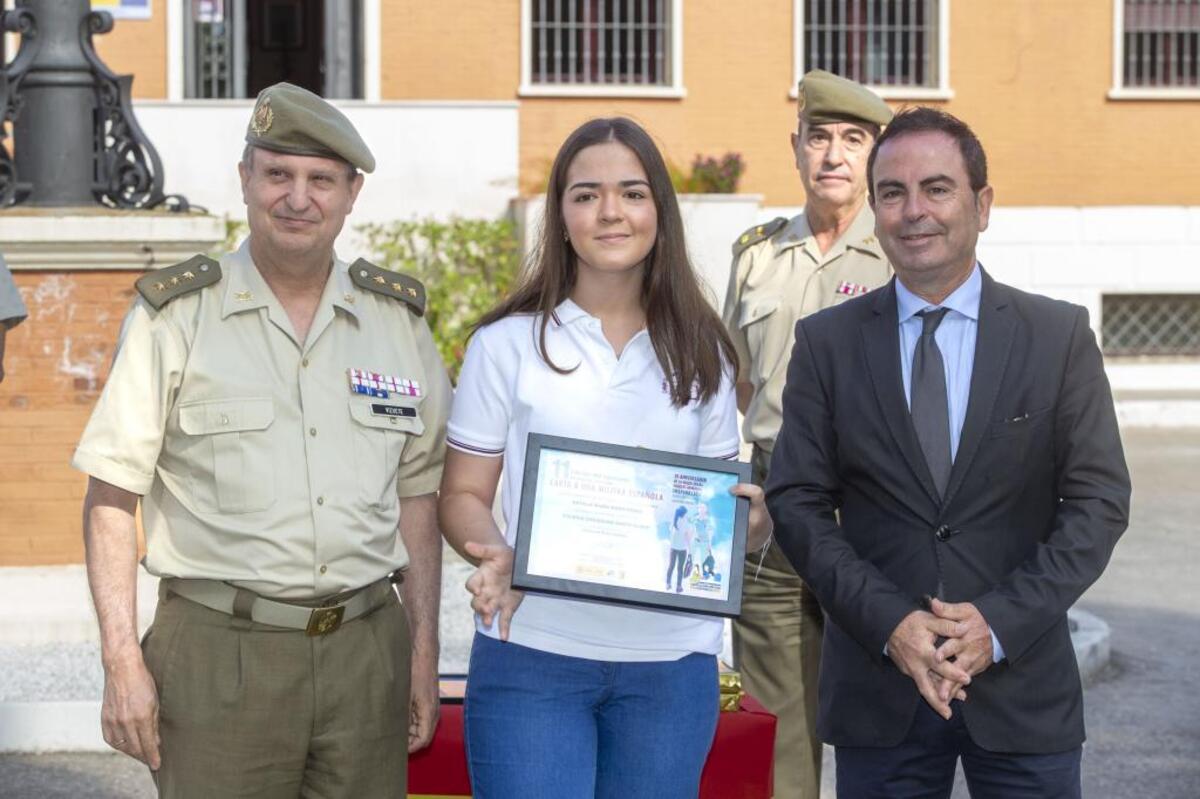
(607, 338)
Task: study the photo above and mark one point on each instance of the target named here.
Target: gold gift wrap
(731, 690)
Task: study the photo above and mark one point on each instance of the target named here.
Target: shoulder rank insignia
(756, 234)
(163, 285)
(367, 275)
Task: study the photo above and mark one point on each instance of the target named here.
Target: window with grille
(1151, 324)
(1160, 44)
(612, 45)
(883, 43)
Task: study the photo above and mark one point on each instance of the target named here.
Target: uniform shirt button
(942, 533)
(312, 431)
(304, 363)
(324, 568)
(320, 500)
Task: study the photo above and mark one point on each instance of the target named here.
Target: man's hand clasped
(941, 650)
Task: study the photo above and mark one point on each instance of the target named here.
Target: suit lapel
(881, 342)
(993, 343)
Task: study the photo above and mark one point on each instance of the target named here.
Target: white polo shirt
(507, 391)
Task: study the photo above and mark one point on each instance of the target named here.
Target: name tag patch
(379, 409)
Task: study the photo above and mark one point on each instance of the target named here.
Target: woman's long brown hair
(687, 335)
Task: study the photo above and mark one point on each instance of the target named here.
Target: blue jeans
(546, 725)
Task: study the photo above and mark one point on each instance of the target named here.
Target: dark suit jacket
(1037, 498)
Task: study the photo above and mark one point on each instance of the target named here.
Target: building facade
(1088, 110)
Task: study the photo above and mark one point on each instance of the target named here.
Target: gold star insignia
(189, 275)
(174, 281)
(160, 286)
(745, 238)
(397, 287)
(380, 279)
(243, 296)
(758, 230)
(411, 292)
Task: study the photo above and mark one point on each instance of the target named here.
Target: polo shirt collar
(964, 299)
(568, 312)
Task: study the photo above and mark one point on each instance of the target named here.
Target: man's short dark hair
(922, 119)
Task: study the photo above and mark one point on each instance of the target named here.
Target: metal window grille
(1162, 43)
(876, 42)
(605, 42)
(1151, 324)
(214, 50)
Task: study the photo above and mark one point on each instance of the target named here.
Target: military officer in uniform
(782, 271)
(12, 309)
(280, 415)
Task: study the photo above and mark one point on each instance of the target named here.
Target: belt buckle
(323, 621)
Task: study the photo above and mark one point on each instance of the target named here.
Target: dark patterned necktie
(930, 411)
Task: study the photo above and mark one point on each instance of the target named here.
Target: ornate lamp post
(76, 141)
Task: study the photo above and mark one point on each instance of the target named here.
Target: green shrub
(467, 265)
(709, 175)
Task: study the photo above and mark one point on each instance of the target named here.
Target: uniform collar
(859, 236)
(246, 290)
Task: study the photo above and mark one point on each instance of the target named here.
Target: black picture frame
(525, 580)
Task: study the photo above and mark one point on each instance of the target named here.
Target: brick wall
(56, 363)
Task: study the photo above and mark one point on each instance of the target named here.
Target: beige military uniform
(258, 464)
(779, 280)
(780, 275)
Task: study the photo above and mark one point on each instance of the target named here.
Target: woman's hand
(761, 526)
(490, 586)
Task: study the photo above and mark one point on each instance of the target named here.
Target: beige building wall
(466, 50)
(139, 47)
(1031, 77)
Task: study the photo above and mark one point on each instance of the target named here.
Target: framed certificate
(631, 525)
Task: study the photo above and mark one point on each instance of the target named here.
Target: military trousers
(777, 649)
(247, 709)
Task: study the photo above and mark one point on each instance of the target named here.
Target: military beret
(825, 98)
(288, 119)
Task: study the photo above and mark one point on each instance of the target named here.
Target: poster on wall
(124, 9)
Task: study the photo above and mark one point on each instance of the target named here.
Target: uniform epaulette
(756, 234)
(367, 275)
(163, 285)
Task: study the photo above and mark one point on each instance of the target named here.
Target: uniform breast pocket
(755, 320)
(381, 430)
(234, 468)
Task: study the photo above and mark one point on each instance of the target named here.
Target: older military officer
(781, 272)
(280, 414)
(12, 309)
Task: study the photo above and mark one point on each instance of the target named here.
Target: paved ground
(1143, 713)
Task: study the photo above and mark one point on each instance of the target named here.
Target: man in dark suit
(949, 479)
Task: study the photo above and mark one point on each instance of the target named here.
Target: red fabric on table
(739, 765)
(741, 762)
(441, 768)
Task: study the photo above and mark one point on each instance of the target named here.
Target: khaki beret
(825, 98)
(288, 119)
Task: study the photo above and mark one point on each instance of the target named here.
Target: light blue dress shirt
(955, 339)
